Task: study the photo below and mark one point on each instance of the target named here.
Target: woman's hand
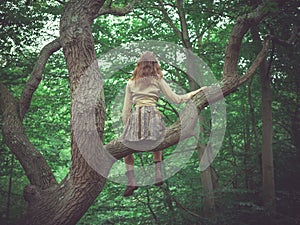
(198, 90)
(202, 88)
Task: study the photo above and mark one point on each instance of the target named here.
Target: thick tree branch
(256, 63)
(36, 75)
(232, 51)
(116, 11)
(35, 166)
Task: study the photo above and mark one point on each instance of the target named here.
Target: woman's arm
(175, 98)
(127, 104)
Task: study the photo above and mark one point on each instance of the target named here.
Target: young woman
(144, 128)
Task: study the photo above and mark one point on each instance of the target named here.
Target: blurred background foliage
(27, 25)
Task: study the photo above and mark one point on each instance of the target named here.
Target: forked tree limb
(35, 166)
(36, 75)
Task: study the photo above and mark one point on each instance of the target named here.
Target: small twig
(290, 41)
(60, 2)
(179, 205)
(150, 208)
(171, 107)
(168, 19)
(116, 11)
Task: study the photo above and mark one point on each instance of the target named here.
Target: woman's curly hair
(147, 66)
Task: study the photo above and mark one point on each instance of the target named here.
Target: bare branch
(36, 75)
(116, 11)
(168, 19)
(205, 29)
(179, 205)
(60, 2)
(292, 39)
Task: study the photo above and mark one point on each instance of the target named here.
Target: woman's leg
(131, 186)
(157, 158)
(129, 161)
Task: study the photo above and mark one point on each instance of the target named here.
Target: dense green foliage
(180, 201)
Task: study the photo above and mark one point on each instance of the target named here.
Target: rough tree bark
(66, 202)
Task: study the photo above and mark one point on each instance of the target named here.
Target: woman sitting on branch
(144, 128)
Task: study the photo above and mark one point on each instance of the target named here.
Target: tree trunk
(267, 152)
(254, 129)
(9, 192)
(247, 155)
(66, 203)
(295, 128)
(208, 187)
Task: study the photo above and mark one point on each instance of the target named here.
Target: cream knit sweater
(146, 93)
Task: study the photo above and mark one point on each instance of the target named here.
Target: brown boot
(131, 184)
(158, 173)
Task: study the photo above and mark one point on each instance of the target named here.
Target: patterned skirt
(144, 129)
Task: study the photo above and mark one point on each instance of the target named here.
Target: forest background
(255, 178)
